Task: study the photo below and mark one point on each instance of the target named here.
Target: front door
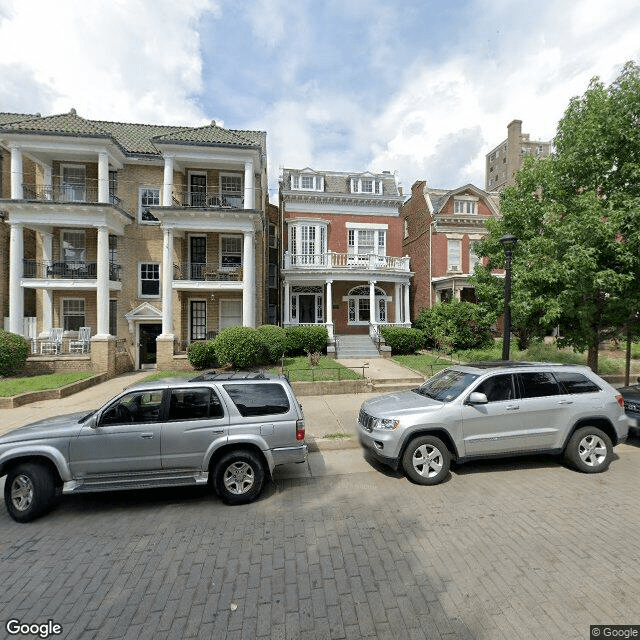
(147, 342)
(198, 256)
(307, 308)
(198, 190)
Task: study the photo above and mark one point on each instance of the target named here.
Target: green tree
(575, 215)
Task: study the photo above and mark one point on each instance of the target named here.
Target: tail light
(620, 400)
(299, 429)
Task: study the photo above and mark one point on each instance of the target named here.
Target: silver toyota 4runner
(228, 430)
(495, 409)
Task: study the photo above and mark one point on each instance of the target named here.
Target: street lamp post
(507, 241)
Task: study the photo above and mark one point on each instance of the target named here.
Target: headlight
(386, 424)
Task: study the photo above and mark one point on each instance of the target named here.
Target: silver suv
(495, 409)
(228, 430)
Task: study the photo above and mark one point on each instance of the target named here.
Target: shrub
(13, 352)
(403, 340)
(201, 354)
(302, 340)
(454, 326)
(275, 342)
(240, 347)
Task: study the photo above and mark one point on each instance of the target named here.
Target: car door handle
(146, 435)
(565, 401)
(513, 407)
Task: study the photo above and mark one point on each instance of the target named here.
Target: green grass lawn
(171, 374)
(14, 386)
(299, 370)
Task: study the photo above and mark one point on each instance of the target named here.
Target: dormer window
(463, 206)
(366, 185)
(306, 182)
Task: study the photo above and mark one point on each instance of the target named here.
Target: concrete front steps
(355, 346)
(389, 386)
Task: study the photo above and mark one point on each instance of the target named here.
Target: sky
(423, 89)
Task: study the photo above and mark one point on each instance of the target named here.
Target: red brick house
(343, 262)
(440, 227)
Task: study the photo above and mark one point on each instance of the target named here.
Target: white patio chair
(53, 344)
(81, 345)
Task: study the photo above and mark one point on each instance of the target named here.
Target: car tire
(239, 477)
(426, 460)
(29, 491)
(589, 450)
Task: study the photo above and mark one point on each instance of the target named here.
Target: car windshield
(446, 385)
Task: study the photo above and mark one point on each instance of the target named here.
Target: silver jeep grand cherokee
(228, 430)
(495, 409)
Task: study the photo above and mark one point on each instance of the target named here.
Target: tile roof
(131, 137)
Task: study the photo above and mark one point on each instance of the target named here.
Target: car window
(497, 388)
(138, 406)
(446, 385)
(538, 384)
(194, 404)
(576, 382)
(258, 399)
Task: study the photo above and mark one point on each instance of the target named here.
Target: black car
(631, 395)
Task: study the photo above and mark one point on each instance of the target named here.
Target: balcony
(209, 272)
(330, 260)
(209, 199)
(78, 270)
(86, 193)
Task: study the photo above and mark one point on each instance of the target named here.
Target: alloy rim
(592, 450)
(239, 478)
(427, 461)
(22, 492)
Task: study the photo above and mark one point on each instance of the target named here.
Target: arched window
(359, 306)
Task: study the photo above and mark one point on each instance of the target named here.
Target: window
(498, 388)
(576, 383)
(464, 206)
(139, 406)
(113, 317)
(367, 241)
(73, 249)
(149, 280)
(230, 314)
(73, 314)
(473, 257)
(258, 399)
(230, 252)
(307, 182)
(273, 281)
(538, 384)
(307, 243)
(198, 312)
(194, 404)
(148, 197)
(231, 190)
(273, 236)
(74, 183)
(366, 185)
(453, 255)
(113, 187)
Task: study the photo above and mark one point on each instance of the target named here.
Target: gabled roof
(65, 123)
(7, 118)
(439, 198)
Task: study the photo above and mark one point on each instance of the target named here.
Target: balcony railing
(87, 193)
(332, 260)
(208, 271)
(67, 270)
(210, 199)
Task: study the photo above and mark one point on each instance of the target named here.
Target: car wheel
(589, 450)
(239, 476)
(426, 460)
(29, 491)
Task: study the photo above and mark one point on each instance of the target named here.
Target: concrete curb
(331, 444)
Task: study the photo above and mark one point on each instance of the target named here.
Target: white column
(167, 283)
(48, 181)
(397, 303)
(167, 187)
(372, 301)
(329, 302)
(248, 281)
(102, 290)
(286, 319)
(407, 317)
(17, 177)
(16, 295)
(249, 186)
(47, 294)
(103, 177)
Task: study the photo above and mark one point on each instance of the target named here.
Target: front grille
(366, 421)
(633, 407)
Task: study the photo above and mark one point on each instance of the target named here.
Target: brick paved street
(518, 549)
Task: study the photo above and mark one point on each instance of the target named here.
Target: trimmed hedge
(201, 354)
(275, 342)
(302, 340)
(14, 350)
(240, 347)
(403, 340)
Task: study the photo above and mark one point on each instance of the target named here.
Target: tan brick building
(440, 227)
(152, 236)
(503, 161)
(343, 264)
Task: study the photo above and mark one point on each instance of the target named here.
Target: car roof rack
(210, 376)
(493, 364)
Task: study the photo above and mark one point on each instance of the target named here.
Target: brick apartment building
(504, 160)
(151, 236)
(343, 263)
(440, 228)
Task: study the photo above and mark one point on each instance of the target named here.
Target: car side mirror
(92, 421)
(477, 398)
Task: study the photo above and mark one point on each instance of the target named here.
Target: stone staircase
(355, 346)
